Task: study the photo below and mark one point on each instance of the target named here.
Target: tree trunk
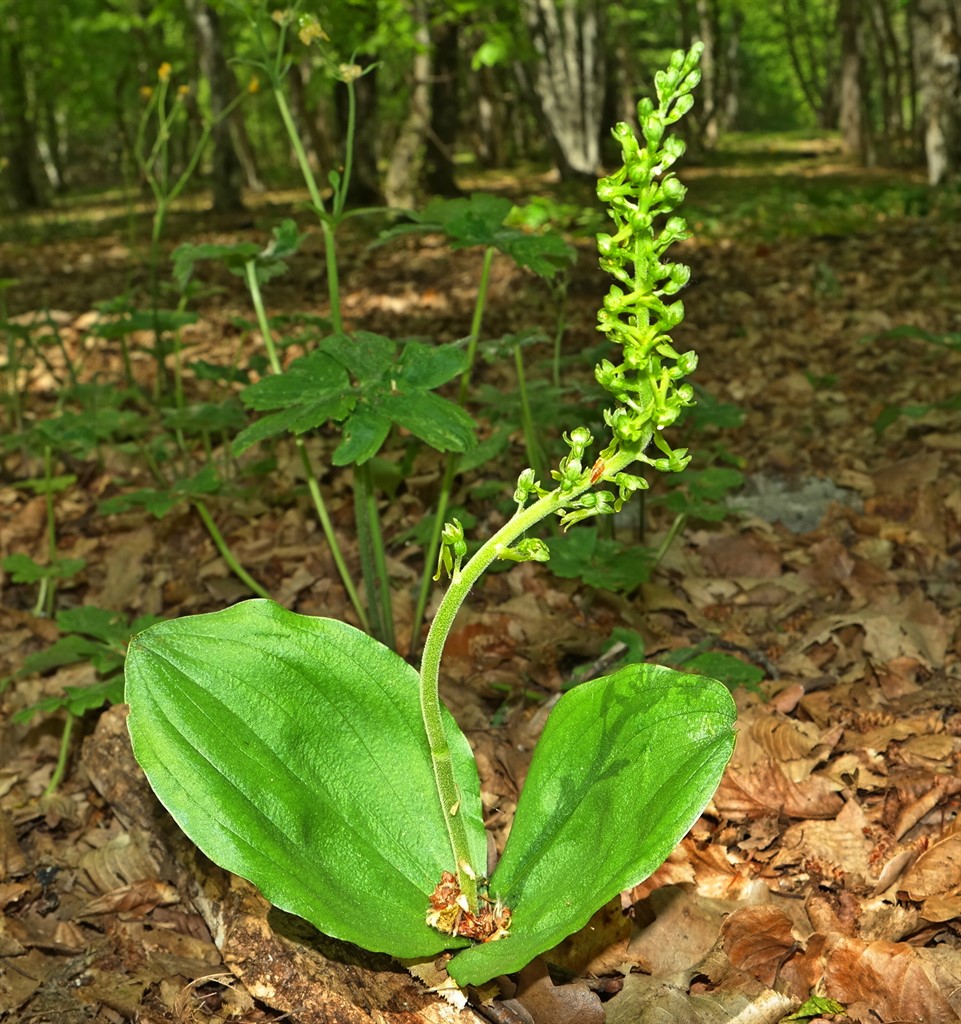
(444, 110)
(213, 66)
(708, 31)
(18, 141)
(815, 70)
(938, 58)
(855, 136)
(407, 157)
(569, 78)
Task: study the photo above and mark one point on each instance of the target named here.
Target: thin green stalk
(253, 286)
(679, 521)
(48, 590)
(228, 556)
(462, 580)
(531, 444)
(559, 288)
(476, 321)
(450, 462)
(61, 767)
(373, 560)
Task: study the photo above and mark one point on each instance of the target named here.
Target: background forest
(490, 84)
(302, 304)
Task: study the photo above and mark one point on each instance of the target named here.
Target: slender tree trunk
(226, 165)
(490, 140)
(732, 77)
(938, 45)
(18, 141)
(855, 133)
(444, 110)
(245, 151)
(406, 159)
(569, 78)
(708, 31)
(887, 57)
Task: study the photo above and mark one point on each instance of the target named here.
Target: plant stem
(450, 462)
(228, 556)
(462, 580)
(253, 286)
(61, 767)
(531, 444)
(373, 560)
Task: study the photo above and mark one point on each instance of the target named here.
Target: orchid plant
(308, 757)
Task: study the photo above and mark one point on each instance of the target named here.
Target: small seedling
(308, 757)
(88, 634)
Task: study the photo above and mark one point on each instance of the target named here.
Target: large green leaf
(623, 769)
(291, 750)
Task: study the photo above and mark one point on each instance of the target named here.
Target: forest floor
(828, 862)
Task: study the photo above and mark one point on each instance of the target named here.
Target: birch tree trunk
(937, 40)
(569, 78)
(407, 156)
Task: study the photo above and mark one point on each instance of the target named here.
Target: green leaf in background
(268, 262)
(76, 700)
(364, 432)
(816, 1006)
(702, 493)
(364, 355)
(442, 424)
(23, 569)
(292, 751)
(479, 220)
(313, 378)
(624, 767)
(726, 668)
(429, 366)
(600, 561)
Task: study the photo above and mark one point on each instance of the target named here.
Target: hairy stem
(460, 585)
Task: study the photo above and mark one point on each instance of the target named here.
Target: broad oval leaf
(623, 769)
(291, 750)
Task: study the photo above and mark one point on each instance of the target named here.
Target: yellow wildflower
(163, 72)
(309, 29)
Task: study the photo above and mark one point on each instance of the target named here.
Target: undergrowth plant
(308, 757)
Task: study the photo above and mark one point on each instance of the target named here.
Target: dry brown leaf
(936, 873)
(759, 940)
(764, 788)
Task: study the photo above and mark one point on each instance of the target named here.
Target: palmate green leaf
(442, 424)
(291, 750)
(623, 769)
(76, 699)
(363, 354)
(311, 378)
(365, 430)
(429, 366)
